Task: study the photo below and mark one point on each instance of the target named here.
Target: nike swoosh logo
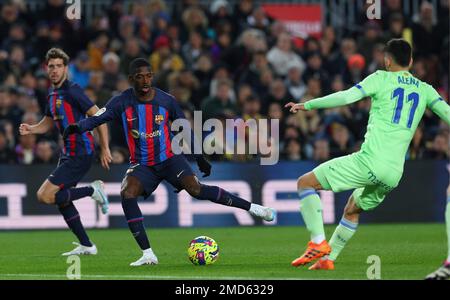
(178, 176)
(129, 120)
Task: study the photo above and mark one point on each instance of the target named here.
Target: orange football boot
(322, 264)
(313, 252)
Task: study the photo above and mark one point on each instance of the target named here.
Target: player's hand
(204, 166)
(25, 129)
(72, 128)
(105, 158)
(295, 107)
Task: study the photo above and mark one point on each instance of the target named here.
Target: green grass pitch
(407, 251)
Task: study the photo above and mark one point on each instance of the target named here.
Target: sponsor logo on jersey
(136, 134)
(100, 111)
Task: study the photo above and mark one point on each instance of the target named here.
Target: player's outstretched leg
(311, 210)
(343, 233)
(131, 190)
(218, 195)
(443, 272)
(50, 193)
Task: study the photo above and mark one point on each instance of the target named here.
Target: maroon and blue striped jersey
(146, 124)
(67, 105)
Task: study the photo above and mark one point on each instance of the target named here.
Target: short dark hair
(136, 64)
(57, 53)
(400, 50)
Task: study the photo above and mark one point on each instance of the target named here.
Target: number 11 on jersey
(399, 93)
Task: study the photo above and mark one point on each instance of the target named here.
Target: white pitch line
(147, 277)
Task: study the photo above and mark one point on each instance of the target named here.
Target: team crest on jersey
(159, 119)
(58, 103)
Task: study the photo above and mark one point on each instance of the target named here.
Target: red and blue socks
(135, 222)
(220, 196)
(72, 218)
(66, 196)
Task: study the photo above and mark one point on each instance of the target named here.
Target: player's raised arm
(333, 100)
(365, 88)
(438, 105)
(42, 127)
(102, 116)
(102, 131)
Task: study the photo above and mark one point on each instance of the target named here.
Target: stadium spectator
(294, 83)
(321, 150)
(391, 7)
(162, 58)
(259, 20)
(377, 62)
(439, 148)
(251, 109)
(220, 16)
(111, 65)
(355, 71)
(45, 153)
(132, 50)
(8, 107)
(96, 49)
(252, 73)
(97, 84)
(192, 50)
(281, 56)
(242, 11)
(220, 103)
(340, 144)
(7, 155)
(424, 31)
(239, 56)
(26, 149)
(417, 147)
(293, 150)
(278, 93)
(194, 19)
(79, 71)
(314, 69)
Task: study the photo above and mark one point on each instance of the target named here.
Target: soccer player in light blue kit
(399, 101)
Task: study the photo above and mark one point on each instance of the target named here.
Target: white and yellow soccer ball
(203, 250)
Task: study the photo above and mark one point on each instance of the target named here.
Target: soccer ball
(203, 250)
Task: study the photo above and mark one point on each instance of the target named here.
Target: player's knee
(193, 189)
(128, 193)
(45, 198)
(351, 216)
(302, 183)
(352, 212)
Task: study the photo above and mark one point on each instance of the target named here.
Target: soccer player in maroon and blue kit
(145, 113)
(66, 105)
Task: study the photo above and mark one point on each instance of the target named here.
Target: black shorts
(70, 170)
(171, 170)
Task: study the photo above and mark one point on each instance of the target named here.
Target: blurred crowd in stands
(230, 60)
